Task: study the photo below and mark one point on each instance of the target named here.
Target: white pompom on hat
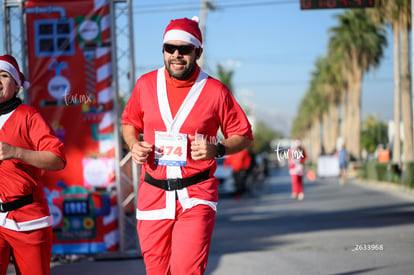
(184, 29)
(9, 64)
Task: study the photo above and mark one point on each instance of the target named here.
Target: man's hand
(202, 150)
(7, 151)
(140, 150)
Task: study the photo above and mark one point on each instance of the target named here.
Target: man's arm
(41, 159)
(233, 145)
(139, 149)
(130, 134)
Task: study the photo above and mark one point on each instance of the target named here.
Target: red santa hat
(186, 30)
(9, 64)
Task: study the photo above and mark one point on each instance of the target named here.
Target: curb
(386, 186)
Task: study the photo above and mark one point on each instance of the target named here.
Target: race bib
(170, 149)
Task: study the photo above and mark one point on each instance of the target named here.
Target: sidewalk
(389, 187)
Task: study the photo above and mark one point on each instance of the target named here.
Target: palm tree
(302, 124)
(307, 125)
(360, 42)
(330, 77)
(406, 95)
(390, 12)
(225, 76)
(303, 120)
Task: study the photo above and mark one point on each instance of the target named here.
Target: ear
(199, 52)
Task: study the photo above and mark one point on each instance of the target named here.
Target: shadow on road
(258, 223)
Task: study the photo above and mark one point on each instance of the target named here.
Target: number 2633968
(368, 247)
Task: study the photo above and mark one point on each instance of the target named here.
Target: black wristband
(221, 150)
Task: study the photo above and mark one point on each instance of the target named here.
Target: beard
(183, 74)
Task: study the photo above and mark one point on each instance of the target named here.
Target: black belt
(16, 204)
(176, 184)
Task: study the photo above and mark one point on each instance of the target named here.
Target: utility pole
(205, 6)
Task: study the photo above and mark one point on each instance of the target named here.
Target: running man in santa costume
(178, 110)
(28, 145)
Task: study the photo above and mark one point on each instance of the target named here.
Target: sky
(271, 46)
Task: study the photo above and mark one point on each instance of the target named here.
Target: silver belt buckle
(2, 208)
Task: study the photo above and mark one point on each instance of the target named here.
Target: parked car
(225, 176)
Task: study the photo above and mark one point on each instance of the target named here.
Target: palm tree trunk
(345, 118)
(308, 142)
(354, 123)
(334, 126)
(396, 156)
(406, 98)
(316, 140)
(350, 116)
(326, 122)
(356, 117)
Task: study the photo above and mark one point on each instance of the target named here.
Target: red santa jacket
(208, 106)
(25, 128)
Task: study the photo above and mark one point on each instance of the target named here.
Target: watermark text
(288, 153)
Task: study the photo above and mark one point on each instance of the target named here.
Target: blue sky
(271, 45)
(273, 48)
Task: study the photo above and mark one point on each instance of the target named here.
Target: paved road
(355, 229)
(275, 235)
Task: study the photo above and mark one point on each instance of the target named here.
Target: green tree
(374, 132)
(308, 124)
(225, 76)
(263, 137)
(398, 15)
(331, 87)
(360, 42)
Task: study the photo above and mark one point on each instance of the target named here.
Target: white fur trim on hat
(6, 66)
(181, 36)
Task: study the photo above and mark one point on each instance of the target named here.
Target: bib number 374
(170, 149)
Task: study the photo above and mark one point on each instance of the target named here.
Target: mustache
(179, 61)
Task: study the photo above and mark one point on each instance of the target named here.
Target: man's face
(180, 59)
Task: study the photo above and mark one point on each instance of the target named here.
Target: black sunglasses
(182, 50)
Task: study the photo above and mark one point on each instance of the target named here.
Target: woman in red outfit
(28, 145)
(297, 157)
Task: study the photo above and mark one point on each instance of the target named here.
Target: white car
(225, 176)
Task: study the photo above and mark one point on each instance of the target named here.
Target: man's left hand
(202, 150)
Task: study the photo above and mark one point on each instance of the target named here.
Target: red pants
(180, 246)
(31, 250)
(297, 184)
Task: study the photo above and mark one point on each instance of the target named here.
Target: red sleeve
(132, 114)
(234, 120)
(43, 137)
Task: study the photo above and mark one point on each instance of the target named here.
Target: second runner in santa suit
(28, 147)
(178, 110)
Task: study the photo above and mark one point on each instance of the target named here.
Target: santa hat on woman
(9, 64)
(186, 30)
